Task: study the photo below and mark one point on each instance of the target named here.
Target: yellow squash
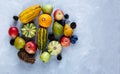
(30, 13)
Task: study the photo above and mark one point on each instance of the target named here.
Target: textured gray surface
(96, 52)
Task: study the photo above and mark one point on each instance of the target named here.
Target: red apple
(30, 47)
(58, 15)
(65, 41)
(13, 32)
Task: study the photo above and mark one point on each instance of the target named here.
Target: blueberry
(15, 18)
(62, 22)
(51, 37)
(73, 41)
(12, 41)
(66, 16)
(75, 37)
(73, 25)
(59, 57)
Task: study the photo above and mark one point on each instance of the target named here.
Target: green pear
(47, 8)
(19, 43)
(45, 57)
(57, 29)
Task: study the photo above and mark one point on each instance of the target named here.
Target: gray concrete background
(96, 52)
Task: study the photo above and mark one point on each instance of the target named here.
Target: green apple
(19, 43)
(57, 29)
(45, 57)
(47, 8)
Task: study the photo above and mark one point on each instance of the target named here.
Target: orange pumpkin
(45, 20)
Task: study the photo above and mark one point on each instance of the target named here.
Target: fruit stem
(55, 48)
(43, 19)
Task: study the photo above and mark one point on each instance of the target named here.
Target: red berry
(13, 32)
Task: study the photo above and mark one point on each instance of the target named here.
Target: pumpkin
(45, 20)
(29, 30)
(54, 48)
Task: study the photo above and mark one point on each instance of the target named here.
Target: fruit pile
(31, 37)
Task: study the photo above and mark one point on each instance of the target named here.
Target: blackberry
(73, 25)
(51, 37)
(12, 41)
(66, 16)
(59, 57)
(15, 18)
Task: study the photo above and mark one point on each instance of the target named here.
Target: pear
(47, 8)
(57, 29)
(68, 31)
(19, 43)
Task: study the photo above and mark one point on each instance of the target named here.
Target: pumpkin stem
(43, 19)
